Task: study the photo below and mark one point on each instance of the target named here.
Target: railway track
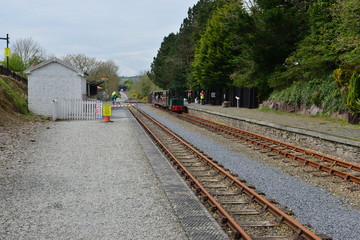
(242, 211)
(342, 169)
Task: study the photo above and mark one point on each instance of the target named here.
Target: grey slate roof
(54, 60)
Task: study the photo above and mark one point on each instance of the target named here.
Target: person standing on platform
(202, 98)
(113, 97)
(189, 97)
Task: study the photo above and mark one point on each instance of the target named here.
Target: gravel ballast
(313, 205)
(84, 180)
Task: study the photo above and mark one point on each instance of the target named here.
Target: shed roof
(54, 60)
(96, 83)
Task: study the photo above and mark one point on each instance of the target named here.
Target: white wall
(53, 81)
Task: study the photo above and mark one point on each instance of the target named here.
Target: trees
(82, 62)
(16, 64)
(278, 26)
(268, 44)
(30, 51)
(346, 15)
(332, 45)
(353, 98)
(314, 58)
(164, 65)
(220, 44)
(143, 86)
(171, 67)
(25, 53)
(95, 69)
(242, 47)
(107, 70)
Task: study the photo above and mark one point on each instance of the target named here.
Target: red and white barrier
(123, 105)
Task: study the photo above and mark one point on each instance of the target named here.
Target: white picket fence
(77, 109)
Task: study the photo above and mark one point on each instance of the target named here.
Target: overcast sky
(128, 32)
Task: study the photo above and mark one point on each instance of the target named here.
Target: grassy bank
(13, 101)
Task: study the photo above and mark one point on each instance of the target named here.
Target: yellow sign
(7, 52)
(106, 110)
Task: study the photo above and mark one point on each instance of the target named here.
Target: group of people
(202, 97)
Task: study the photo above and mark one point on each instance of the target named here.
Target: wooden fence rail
(77, 109)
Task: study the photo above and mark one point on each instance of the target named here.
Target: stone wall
(302, 109)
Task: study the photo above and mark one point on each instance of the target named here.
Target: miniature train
(167, 99)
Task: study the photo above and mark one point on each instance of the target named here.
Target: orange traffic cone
(107, 119)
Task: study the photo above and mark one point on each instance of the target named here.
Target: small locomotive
(167, 99)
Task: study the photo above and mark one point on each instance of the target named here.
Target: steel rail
(292, 147)
(299, 229)
(318, 166)
(239, 232)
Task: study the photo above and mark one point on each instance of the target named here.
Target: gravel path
(84, 180)
(313, 205)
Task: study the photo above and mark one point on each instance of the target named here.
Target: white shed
(53, 79)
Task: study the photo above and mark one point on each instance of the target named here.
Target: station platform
(325, 128)
(98, 180)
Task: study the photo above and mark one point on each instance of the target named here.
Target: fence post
(55, 109)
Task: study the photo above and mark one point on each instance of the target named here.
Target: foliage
(271, 44)
(96, 69)
(15, 63)
(280, 25)
(107, 70)
(12, 96)
(353, 98)
(143, 87)
(346, 14)
(82, 62)
(128, 82)
(164, 66)
(171, 66)
(325, 94)
(30, 51)
(249, 45)
(222, 40)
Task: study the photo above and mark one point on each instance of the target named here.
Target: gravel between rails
(83, 180)
(313, 205)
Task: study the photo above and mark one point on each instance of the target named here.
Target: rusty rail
(289, 146)
(233, 132)
(299, 229)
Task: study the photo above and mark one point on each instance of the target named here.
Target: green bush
(322, 93)
(353, 97)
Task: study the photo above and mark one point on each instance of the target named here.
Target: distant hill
(133, 78)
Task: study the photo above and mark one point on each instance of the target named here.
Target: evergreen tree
(353, 98)
(221, 42)
(279, 26)
(171, 67)
(315, 57)
(346, 14)
(162, 66)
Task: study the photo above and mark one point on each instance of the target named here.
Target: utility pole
(7, 50)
